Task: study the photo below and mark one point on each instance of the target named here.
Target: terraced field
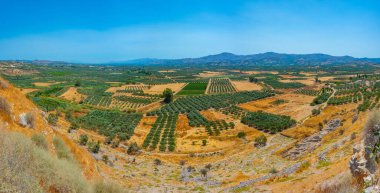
(220, 85)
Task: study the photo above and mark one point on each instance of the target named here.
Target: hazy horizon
(97, 31)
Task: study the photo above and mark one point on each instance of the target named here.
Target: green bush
(83, 139)
(260, 141)
(62, 151)
(241, 134)
(52, 119)
(94, 147)
(40, 141)
(204, 142)
(133, 148)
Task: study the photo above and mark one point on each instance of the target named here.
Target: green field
(193, 89)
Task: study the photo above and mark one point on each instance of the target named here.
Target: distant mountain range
(268, 58)
(229, 59)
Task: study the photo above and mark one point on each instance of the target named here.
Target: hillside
(222, 130)
(37, 164)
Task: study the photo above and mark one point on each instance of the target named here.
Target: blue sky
(117, 30)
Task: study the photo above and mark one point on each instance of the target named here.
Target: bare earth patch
(296, 106)
(28, 90)
(158, 89)
(190, 139)
(72, 94)
(259, 72)
(206, 74)
(167, 71)
(113, 89)
(142, 130)
(308, 82)
(45, 83)
(246, 86)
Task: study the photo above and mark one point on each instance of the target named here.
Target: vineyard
(203, 102)
(307, 92)
(267, 122)
(134, 88)
(110, 123)
(166, 123)
(100, 101)
(220, 85)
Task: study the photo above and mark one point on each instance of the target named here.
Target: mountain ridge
(267, 58)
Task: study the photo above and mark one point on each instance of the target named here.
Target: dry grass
(44, 84)
(246, 86)
(296, 106)
(24, 166)
(3, 84)
(207, 74)
(341, 183)
(158, 89)
(5, 107)
(72, 94)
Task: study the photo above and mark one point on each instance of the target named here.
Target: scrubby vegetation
(26, 167)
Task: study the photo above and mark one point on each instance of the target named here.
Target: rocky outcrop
(285, 172)
(363, 162)
(358, 163)
(312, 142)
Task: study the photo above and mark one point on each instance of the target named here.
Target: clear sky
(117, 30)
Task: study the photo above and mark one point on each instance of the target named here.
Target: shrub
(77, 83)
(204, 142)
(273, 171)
(108, 140)
(204, 172)
(94, 147)
(115, 143)
(40, 141)
(3, 84)
(241, 134)
(105, 158)
(260, 141)
(83, 139)
(315, 112)
(62, 151)
(52, 119)
(157, 162)
(103, 187)
(4, 106)
(133, 149)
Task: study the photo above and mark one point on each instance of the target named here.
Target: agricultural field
(220, 85)
(237, 118)
(193, 88)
